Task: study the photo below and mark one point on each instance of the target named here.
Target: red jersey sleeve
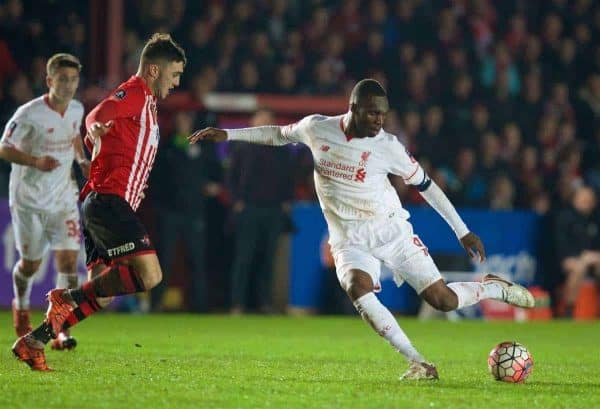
(122, 103)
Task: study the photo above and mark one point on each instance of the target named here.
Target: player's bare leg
(359, 287)
(66, 266)
(23, 272)
(27, 349)
(448, 297)
(87, 308)
(138, 273)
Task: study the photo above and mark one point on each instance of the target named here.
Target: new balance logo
(360, 175)
(324, 148)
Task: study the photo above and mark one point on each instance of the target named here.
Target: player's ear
(153, 70)
(48, 81)
(354, 108)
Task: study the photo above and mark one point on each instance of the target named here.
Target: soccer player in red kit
(123, 137)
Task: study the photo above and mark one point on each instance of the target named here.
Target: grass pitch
(186, 361)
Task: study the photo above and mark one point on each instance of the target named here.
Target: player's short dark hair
(162, 47)
(61, 60)
(366, 88)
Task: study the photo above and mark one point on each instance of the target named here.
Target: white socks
(384, 323)
(21, 288)
(66, 280)
(469, 293)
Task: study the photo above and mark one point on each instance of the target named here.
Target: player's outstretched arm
(14, 155)
(440, 202)
(264, 135)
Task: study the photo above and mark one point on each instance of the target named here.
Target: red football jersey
(123, 157)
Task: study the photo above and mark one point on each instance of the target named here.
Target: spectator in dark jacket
(185, 175)
(261, 188)
(577, 238)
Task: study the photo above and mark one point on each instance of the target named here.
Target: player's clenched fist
(97, 129)
(208, 134)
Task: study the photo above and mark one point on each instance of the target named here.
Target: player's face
(369, 115)
(63, 83)
(168, 78)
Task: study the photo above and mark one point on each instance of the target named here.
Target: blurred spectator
(501, 102)
(323, 80)
(529, 106)
(502, 193)
(565, 70)
(465, 185)
(479, 124)
(261, 203)
(530, 61)
(432, 142)
(459, 112)
(181, 183)
(348, 21)
(199, 48)
(511, 143)
(285, 80)
(317, 28)
(411, 125)
(490, 163)
(482, 21)
(501, 64)
(559, 105)
(577, 236)
(517, 34)
(249, 77)
(278, 21)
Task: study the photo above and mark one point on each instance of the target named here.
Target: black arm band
(425, 183)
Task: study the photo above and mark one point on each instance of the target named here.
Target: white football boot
(512, 293)
(420, 371)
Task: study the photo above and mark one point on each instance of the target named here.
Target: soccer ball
(510, 362)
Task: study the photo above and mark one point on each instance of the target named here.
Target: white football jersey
(351, 174)
(38, 130)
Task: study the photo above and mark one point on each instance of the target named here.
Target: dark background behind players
(524, 73)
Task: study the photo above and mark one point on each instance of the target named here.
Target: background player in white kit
(41, 140)
(368, 227)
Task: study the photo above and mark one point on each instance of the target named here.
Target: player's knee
(357, 285)
(28, 268)
(446, 303)
(66, 261)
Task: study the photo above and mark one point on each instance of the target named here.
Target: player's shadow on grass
(589, 384)
(564, 387)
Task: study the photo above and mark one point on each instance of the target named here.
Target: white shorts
(390, 243)
(36, 232)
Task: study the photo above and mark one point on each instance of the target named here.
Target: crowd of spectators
(498, 99)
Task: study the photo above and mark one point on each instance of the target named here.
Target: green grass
(178, 361)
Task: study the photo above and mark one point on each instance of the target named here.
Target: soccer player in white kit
(367, 224)
(41, 141)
